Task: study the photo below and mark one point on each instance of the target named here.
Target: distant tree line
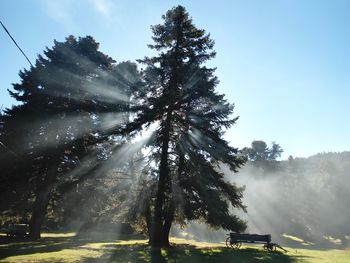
(304, 197)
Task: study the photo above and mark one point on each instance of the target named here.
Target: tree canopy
(67, 103)
(86, 123)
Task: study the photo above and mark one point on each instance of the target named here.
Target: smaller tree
(69, 101)
(262, 156)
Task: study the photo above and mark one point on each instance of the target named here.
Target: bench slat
(250, 238)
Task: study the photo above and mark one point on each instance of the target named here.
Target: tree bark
(169, 217)
(156, 236)
(168, 220)
(43, 195)
(148, 217)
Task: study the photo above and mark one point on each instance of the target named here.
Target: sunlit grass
(69, 247)
(298, 240)
(333, 240)
(294, 238)
(68, 234)
(320, 256)
(192, 242)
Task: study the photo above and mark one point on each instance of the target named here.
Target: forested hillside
(306, 198)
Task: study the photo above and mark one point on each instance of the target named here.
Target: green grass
(97, 247)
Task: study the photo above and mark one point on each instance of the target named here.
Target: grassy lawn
(67, 247)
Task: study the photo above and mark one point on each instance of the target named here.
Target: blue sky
(285, 64)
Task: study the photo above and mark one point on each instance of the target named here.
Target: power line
(12, 152)
(14, 41)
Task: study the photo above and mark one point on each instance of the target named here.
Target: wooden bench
(235, 241)
(17, 230)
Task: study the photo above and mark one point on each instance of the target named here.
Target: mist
(304, 202)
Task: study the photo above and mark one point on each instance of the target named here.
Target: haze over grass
(66, 247)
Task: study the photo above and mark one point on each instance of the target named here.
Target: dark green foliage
(204, 195)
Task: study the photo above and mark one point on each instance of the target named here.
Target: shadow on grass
(188, 253)
(120, 250)
(19, 247)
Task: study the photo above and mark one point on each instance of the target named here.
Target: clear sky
(285, 64)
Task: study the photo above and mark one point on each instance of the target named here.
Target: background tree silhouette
(72, 97)
(262, 156)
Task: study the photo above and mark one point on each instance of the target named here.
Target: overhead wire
(14, 41)
(9, 150)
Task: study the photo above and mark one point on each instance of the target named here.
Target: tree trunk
(38, 214)
(156, 236)
(169, 217)
(43, 195)
(167, 224)
(148, 217)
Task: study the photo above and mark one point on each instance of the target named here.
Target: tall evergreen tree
(188, 148)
